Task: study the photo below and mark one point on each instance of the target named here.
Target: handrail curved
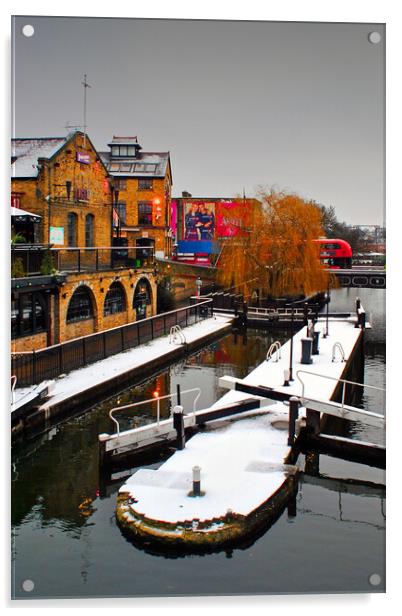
(274, 348)
(157, 400)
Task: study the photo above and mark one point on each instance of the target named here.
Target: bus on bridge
(335, 253)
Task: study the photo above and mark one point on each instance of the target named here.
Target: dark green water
(65, 538)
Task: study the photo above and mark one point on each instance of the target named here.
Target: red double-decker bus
(335, 253)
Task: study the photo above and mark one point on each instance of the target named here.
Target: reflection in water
(64, 533)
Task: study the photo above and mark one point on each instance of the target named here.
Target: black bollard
(178, 424)
(307, 345)
(316, 336)
(293, 416)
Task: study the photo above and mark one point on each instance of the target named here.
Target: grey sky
(299, 106)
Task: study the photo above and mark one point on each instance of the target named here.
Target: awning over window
(19, 215)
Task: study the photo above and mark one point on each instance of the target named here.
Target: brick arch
(116, 285)
(82, 289)
(142, 297)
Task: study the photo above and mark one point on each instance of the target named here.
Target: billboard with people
(199, 221)
(200, 225)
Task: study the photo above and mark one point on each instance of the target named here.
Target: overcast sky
(297, 106)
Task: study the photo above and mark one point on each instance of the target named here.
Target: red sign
(16, 201)
(228, 220)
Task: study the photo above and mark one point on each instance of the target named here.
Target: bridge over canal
(361, 278)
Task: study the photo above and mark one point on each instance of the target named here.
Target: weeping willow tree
(275, 251)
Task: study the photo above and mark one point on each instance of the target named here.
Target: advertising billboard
(199, 221)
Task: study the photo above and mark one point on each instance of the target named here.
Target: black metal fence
(36, 366)
(34, 259)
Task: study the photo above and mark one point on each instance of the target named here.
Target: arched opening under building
(115, 300)
(142, 298)
(81, 306)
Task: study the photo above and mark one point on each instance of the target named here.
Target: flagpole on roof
(86, 85)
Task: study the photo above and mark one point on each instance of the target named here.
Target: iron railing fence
(33, 367)
(42, 259)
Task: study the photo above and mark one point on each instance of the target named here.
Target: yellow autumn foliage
(276, 252)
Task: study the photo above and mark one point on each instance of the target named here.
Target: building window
(28, 314)
(145, 184)
(115, 300)
(89, 230)
(80, 306)
(72, 223)
(121, 212)
(82, 194)
(123, 150)
(120, 184)
(145, 213)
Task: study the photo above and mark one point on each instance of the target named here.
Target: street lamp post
(291, 346)
(327, 299)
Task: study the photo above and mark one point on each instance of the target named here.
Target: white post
(196, 480)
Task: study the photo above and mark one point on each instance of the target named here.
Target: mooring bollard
(307, 345)
(316, 337)
(286, 377)
(178, 424)
(294, 403)
(196, 481)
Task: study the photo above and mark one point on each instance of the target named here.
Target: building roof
(25, 154)
(145, 164)
(125, 141)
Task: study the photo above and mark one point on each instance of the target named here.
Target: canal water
(66, 541)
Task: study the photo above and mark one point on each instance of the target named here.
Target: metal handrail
(275, 347)
(337, 345)
(332, 378)
(126, 325)
(157, 400)
(176, 330)
(285, 311)
(13, 386)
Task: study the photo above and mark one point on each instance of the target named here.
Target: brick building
(141, 189)
(88, 287)
(64, 180)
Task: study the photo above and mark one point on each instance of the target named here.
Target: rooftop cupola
(124, 147)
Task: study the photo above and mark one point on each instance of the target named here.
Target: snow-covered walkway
(74, 382)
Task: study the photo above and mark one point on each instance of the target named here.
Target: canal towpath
(75, 388)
